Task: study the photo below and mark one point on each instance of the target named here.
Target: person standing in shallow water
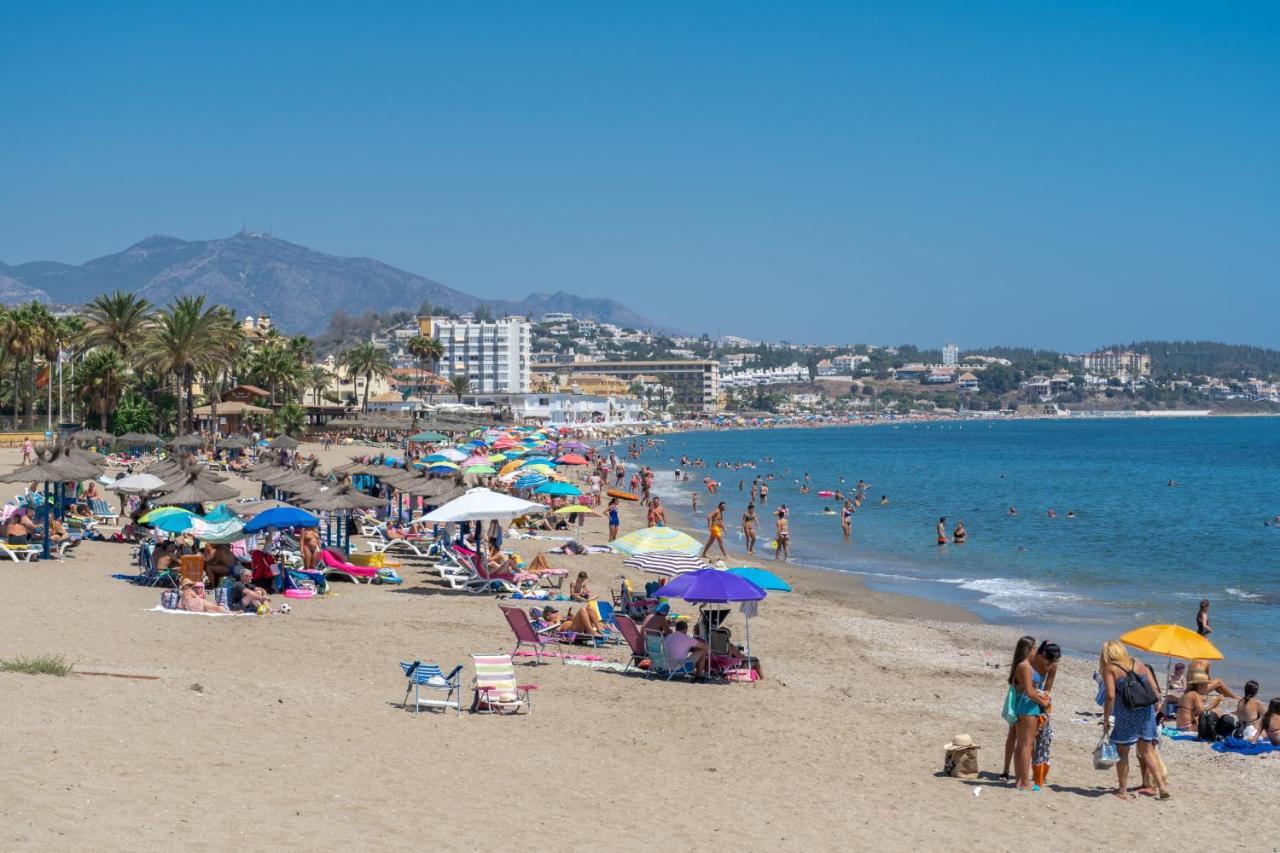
(942, 530)
(1202, 619)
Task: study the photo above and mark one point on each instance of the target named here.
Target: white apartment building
(1113, 363)
(950, 354)
(557, 317)
(495, 356)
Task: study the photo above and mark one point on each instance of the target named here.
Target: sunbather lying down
(582, 621)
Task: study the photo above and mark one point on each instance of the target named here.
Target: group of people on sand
(1133, 709)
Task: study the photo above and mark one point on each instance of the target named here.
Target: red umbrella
(571, 459)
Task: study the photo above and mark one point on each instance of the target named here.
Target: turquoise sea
(1138, 551)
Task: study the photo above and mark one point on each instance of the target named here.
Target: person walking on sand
(749, 527)
(28, 452)
(715, 524)
(614, 521)
(1134, 725)
(783, 537)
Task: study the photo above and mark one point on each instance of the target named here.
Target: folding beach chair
(518, 619)
(658, 663)
(20, 553)
(102, 511)
(429, 676)
(630, 632)
(191, 567)
(496, 688)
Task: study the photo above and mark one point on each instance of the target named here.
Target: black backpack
(1207, 726)
(1136, 692)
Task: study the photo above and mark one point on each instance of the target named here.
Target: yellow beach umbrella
(1172, 641)
(511, 466)
(572, 508)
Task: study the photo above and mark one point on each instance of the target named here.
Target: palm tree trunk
(368, 379)
(17, 397)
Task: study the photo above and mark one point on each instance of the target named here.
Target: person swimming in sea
(1013, 510)
(884, 500)
(942, 530)
(826, 510)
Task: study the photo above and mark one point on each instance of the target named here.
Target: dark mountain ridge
(298, 287)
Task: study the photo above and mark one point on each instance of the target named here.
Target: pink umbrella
(571, 459)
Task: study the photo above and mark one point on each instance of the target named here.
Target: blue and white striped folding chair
(659, 664)
(429, 676)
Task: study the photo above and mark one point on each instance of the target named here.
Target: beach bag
(1207, 726)
(961, 763)
(1010, 712)
(169, 599)
(1105, 755)
(1225, 727)
(1136, 692)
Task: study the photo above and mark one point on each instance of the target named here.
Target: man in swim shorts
(715, 523)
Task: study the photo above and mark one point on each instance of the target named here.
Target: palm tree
(188, 338)
(119, 321)
(425, 349)
(318, 380)
(460, 385)
(100, 382)
(278, 368)
(368, 361)
(290, 418)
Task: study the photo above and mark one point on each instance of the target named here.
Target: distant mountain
(300, 288)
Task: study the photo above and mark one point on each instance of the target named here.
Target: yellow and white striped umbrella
(656, 539)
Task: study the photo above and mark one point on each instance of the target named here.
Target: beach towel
(1243, 747)
(567, 656)
(159, 609)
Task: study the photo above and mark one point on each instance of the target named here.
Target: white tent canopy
(137, 484)
(483, 505)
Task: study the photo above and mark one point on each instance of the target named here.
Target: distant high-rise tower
(950, 354)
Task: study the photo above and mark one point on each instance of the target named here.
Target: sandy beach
(287, 732)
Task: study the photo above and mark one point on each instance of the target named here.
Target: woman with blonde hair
(1133, 724)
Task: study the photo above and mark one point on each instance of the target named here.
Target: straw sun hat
(1198, 678)
(961, 742)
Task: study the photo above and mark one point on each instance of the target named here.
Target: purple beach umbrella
(711, 586)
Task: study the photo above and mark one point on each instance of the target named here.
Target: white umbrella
(482, 505)
(137, 484)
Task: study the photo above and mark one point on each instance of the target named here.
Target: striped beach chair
(103, 511)
(496, 688)
(429, 676)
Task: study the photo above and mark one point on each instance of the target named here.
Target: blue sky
(1064, 174)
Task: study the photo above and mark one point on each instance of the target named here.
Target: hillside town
(125, 365)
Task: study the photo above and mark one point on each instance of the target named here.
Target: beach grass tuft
(39, 665)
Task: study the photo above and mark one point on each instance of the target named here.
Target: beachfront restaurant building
(694, 384)
(561, 409)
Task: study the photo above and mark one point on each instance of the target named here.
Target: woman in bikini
(783, 537)
(1269, 727)
(846, 520)
(1249, 712)
(749, 527)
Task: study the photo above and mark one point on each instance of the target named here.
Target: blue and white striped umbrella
(530, 481)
